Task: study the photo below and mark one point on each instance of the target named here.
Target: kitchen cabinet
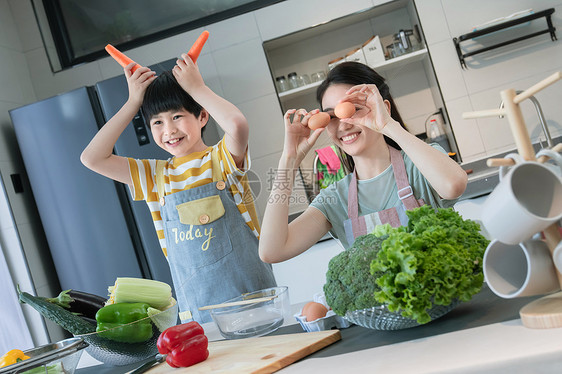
(390, 64)
(411, 77)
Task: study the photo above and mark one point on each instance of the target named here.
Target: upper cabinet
(307, 54)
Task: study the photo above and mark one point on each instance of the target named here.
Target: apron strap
(217, 172)
(405, 191)
(160, 164)
(358, 225)
(352, 203)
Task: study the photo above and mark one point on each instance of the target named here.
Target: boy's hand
(187, 74)
(299, 139)
(138, 82)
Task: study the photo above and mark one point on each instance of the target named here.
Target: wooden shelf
(393, 63)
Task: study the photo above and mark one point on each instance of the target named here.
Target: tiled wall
(517, 66)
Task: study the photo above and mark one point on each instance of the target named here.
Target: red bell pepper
(184, 344)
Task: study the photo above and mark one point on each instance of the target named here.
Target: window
(79, 30)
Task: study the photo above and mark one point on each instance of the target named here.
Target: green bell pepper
(118, 322)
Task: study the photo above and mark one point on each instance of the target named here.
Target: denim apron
(396, 216)
(212, 252)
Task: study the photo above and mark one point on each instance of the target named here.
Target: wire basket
(59, 357)
(116, 353)
(380, 318)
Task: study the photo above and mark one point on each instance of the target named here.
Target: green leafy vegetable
(433, 260)
(51, 369)
(349, 283)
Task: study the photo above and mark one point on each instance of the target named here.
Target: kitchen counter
(482, 335)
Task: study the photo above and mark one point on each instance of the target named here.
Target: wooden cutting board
(266, 354)
(543, 313)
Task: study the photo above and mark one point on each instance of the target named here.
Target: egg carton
(330, 321)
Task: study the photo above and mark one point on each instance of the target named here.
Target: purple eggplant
(79, 302)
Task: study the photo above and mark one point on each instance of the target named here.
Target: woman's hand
(138, 82)
(187, 74)
(373, 112)
(299, 139)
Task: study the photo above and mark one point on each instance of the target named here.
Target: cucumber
(62, 317)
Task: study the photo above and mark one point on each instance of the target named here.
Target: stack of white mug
(526, 201)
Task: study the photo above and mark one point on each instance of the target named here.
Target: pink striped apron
(360, 225)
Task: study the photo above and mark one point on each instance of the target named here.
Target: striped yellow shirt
(188, 172)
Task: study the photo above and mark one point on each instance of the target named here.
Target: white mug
(523, 269)
(527, 200)
(555, 156)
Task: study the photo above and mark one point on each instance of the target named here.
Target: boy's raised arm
(98, 155)
(227, 115)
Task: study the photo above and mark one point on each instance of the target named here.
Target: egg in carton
(330, 321)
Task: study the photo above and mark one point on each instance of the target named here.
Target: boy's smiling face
(179, 131)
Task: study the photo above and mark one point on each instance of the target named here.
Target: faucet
(541, 118)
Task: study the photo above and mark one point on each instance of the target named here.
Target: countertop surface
(482, 335)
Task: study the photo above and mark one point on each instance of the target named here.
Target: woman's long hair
(355, 73)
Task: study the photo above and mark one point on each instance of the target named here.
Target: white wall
(517, 66)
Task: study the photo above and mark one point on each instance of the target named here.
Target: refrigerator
(95, 231)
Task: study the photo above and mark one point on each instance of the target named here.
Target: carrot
(198, 46)
(120, 57)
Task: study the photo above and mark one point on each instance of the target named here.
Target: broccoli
(349, 282)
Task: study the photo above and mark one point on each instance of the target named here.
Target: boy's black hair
(356, 73)
(165, 94)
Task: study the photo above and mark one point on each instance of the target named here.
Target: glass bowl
(255, 319)
(60, 357)
(380, 318)
(116, 353)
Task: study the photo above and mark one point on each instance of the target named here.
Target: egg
(319, 120)
(312, 311)
(344, 110)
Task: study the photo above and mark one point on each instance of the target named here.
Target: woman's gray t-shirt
(375, 194)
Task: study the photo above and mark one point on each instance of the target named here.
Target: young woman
(390, 169)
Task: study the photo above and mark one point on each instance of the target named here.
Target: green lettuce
(435, 259)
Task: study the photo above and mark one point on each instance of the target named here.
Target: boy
(207, 227)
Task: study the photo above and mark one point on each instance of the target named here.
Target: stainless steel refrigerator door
(80, 210)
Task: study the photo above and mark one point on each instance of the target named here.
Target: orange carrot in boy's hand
(198, 46)
(120, 57)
